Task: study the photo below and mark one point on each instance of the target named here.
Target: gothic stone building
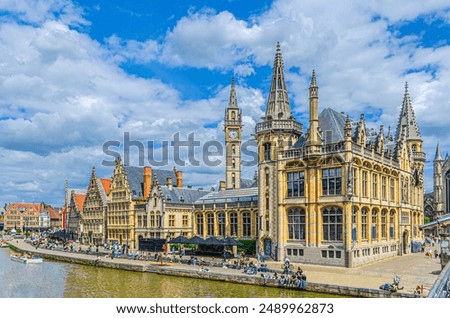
(340, 193)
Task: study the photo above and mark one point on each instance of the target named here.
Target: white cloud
(63, 94)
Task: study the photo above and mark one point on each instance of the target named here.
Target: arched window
(221, 220)
(374, 224)
(233, 115)
(210, 218)
(391, 224)
(364, 222)
(297, 224)
(233, 224)
(332, 224)
(267, 151)
(354, 222)
(246, 224)
(200, 224)
(384, 224)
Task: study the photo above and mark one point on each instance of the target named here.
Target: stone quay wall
(228, 276)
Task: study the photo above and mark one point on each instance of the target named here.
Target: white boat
(27, 260)
(4, 244)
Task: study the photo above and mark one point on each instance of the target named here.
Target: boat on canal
(27, 260)
(4, 244)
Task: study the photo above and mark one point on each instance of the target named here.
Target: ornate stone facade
(339, 194)
(94, 210)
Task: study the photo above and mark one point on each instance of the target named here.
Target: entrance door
(405, 242)
(268, 247)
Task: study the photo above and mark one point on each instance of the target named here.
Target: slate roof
(332, 125)
(79, 200)
(182, 195)
(333, 122)
(104, 186)
(248, 183)
(230, 195)
(135, 177)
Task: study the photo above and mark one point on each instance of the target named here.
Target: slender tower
(313, 139)
(233, 138)
(438, 183)
(277, 131)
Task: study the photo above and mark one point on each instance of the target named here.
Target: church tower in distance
(233, 138)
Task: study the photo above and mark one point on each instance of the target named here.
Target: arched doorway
(405, 245)
(268, 247)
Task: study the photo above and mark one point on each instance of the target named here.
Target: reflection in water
(56, 279)
(89, 281)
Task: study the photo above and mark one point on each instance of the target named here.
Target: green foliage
(249, 247)
(426, 220)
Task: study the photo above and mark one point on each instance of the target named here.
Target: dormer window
(168, 198)
(181, 198)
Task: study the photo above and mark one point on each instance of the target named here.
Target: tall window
(375, 186)
(331, 181)
(210, 220)
(246, 224)
(296, 184)
(383, 188)
(332, 224)
(383, 224)
(374, 224)
(233, 224)
(447, 192)
(221, 220)
(267, 151)
(152, 219)
(392, 189)
(364, 221)
(184, 220)
(200, 224)
(354, 222)
(171, 220)
(355, 181)
(364, 184)
(297, 224)
(391, 224)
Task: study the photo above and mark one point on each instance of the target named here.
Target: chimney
(179, 175)
(221, 185)
(147, 181)
(169, 183)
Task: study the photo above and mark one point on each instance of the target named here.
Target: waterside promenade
(413, 269)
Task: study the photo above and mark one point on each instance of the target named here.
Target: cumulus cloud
(64, 94)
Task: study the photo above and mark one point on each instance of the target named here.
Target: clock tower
(233, 137)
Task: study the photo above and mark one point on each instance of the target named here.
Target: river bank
(332, 275)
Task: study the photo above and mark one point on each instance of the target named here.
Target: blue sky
(76, 74)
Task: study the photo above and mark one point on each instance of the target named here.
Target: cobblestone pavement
(413, 269)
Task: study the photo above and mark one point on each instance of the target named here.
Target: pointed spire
(438, 156)
(233, 100)
(313, 79)
(407, 120)
(278, 106)
(389, 134)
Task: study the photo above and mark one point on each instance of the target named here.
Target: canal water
(58, 279)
